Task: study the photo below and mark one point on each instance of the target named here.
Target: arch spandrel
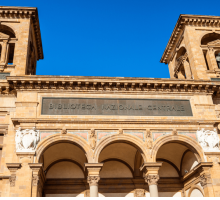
(185, 140)
(58, 138)
(133, 140)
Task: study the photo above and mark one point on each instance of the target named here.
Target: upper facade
(193, 49)
(20, 41)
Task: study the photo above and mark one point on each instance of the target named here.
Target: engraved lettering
(51, 106)
(59, 106)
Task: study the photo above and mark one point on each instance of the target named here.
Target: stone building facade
(101, 136)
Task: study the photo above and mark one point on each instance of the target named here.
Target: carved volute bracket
(120, 131)
(174, 132)
(64, 131)
(13, 167)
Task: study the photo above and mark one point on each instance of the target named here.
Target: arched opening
(210, 44)
(7, 36)
(121, 170)
(209, 38)
(182, 67)
(178, 159)
(63, 165)
(7, 30)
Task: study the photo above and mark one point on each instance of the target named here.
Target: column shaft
(94, 191)
(4, 50)
(153, 190)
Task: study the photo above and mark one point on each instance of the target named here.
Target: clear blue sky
(124, 38)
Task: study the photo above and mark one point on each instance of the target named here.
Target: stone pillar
(4, 51)
(210, 57)
(38, 179)
(93, 177)
(187, 70)
(151, 176)
(13, 167)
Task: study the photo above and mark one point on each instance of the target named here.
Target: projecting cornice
(107, 84)
(7, 12)
(187, 20)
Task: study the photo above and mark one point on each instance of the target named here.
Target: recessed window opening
(11, 54)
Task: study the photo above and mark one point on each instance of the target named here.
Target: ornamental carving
(64, 131)
(92, 139)
(12, 180)
(35, 180)
(139, 193)
(152, 179)
(149, 140)
(27, 140)
(93, 180)
(209, 140)
(205, 179)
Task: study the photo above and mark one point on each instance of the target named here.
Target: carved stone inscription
(130, 107)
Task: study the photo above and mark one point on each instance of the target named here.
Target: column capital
(13, 167)
(93, 180)
(205, 180)
(151, 179)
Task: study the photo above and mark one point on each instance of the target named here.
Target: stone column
(93, 177)
(4, 51)
(187, 69)
(38, 179)
(151, 176)
(13, 167)
(210, 57)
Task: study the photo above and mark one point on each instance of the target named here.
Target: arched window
(7, 41)
(210, 44)
(182, 68)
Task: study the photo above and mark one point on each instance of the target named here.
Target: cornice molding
(187, 20)
(102, 84)
(7, 12)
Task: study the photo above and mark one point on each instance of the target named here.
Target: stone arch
(195, 187)
(7, 30)
(208, 37)
(58, 138)
(182, 139)
(133, 140)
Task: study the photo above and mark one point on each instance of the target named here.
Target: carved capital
(139, 193)
(13, 167)
(151, 179)
(93, 180)
(12, 180)
(205, 179)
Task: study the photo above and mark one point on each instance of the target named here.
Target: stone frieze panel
(137, 133)
(44, 134)
(81, 133)
(102, 134)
